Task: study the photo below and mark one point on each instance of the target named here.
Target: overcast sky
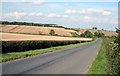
(70, 14)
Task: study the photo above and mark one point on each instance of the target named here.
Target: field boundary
(20, 55)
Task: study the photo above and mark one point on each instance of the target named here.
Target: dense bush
(74, 34)
(112, 58)
(113, 55)
(52, 32)
(88, 34)
(99, 34)
(21, 46)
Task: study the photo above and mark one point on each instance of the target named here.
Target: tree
(88, 34)
(82, 35)
(96, 34)
(74, 34)
(117, 30)
(99, 34)
(102, 29)
(95, 28)
(118, 37)
(52, 32)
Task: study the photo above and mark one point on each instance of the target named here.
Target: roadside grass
(17, 55)
(0, 57)
(99, 64)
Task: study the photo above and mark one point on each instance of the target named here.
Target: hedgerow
(21, 46)
(113, 56)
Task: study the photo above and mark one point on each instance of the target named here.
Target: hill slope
(38, 30)
(35, 30)
(107, 33)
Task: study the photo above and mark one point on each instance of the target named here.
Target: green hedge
(113, 55)
(21, 46)
(112, 58)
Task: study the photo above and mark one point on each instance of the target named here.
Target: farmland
(40, 30)
(30, 38)
(107, 33)
(37, 30)
(24, 43)
(24, 37)
(66, 37)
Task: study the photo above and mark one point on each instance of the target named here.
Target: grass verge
(17, 55)
(99, 64)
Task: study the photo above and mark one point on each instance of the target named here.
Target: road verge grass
(99, 64)
(17, 55)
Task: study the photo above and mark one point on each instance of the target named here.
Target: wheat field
(24, 37)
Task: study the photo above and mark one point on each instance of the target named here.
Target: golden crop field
(35, 30)
(24, 37)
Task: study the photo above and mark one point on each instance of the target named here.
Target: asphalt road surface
(68, 61)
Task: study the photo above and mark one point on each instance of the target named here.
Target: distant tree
(117, 30)
(95, 28)
(96, 34)
(52, 32)
(118, 37)
(88, 34)
(74, 34)
(99, 34)
(82, 35)
(102, 34)
(102, 29)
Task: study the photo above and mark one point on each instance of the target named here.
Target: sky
(103, 15)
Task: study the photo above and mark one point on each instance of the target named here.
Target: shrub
(21, 46)
(88, 34)
(96, 34)
(112, 58)
(113, 55)
(99, 34)
(82, 35)
(74, 34)
(52, 32)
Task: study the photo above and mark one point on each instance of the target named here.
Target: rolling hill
(35, 30)
(39, 30)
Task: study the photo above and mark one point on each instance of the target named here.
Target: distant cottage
(81, 31)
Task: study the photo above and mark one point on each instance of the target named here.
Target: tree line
(35, 24)
(29, 24)
(88, 34)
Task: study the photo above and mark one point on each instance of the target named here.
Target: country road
(68, 61)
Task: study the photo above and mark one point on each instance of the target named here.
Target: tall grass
(99, 64)
(108, 58)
